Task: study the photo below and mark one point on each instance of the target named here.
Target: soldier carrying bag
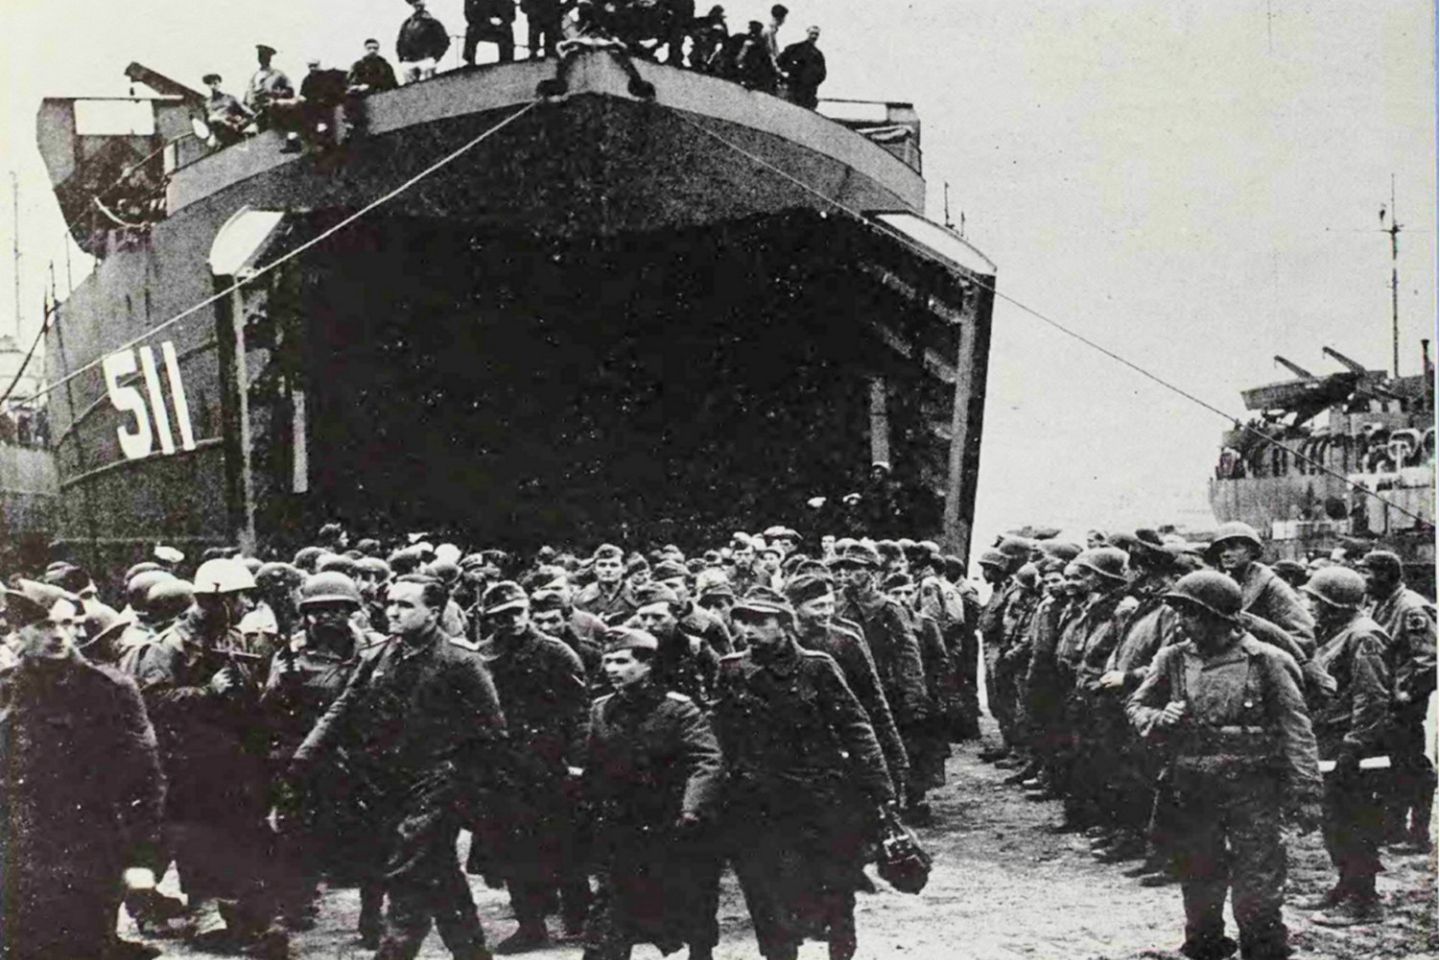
(903, 863)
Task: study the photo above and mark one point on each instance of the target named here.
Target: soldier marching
(634, 726)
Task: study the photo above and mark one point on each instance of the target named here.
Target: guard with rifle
(202, 685)
(307, 674)
(1229, 711)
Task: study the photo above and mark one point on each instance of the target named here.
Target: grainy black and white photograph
(609, 479)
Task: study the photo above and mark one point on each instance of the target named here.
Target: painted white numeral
(138, 441)
(134, 443)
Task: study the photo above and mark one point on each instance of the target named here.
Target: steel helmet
(137, 588)
(169, 598)
(1235, 530)
(222, 575)
(1109, 562)
(277, 574)
(373, 565)
(335, 562)
(445, 571)
(1337, 586)
(305, 557)
(329, 586)
(1209, 589)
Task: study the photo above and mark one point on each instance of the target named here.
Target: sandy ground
(1001, 888)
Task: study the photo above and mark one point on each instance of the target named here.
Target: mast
(1394, 231)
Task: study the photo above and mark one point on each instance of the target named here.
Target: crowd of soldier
(642, 721)
(1182, 700)
(636, 722)
(754, 58)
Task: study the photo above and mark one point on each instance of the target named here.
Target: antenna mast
(948, 222)
(1394, 231)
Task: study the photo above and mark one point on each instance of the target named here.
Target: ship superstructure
(1337, 439)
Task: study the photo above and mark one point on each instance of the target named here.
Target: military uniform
(82, 800)
(931, 743)
(422, 721)
(1087, 643)
(1045, 687)
(529, 836)
(887, 632)
(853, 658)
(317, 830)
(214, 747)
(1011, 660)
(650, 757)
(1352, 725)
(1409, 620)
(991, 630)
(803, 775)
(611, 605)
(1243, 752)
(1264, 594)
(1132, 769)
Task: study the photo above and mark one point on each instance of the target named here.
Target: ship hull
(602, 322)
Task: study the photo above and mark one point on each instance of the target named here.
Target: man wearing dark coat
(804, 782)
(528, 837)
(804, 67)
(652, 782)
(489, 21)
(83, 791)
(371, 73)
(398, 713)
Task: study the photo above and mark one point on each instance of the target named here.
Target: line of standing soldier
(1182, 711)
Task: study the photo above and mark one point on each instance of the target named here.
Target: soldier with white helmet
(201, 684)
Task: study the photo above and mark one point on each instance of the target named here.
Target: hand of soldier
(686, 822)
(138, 878)
(222, 681)
(1112, 679)
(1173, 713)
(1401, 697)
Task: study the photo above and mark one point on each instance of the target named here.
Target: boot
(530, 935)
(1125, 848)
(1210, 949)
(1328, 900)
(1356, 911)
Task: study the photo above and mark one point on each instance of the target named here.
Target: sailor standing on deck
(268, 86)
(421, 43)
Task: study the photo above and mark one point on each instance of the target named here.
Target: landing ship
(546, 302)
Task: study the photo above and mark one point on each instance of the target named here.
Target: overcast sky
(1195, 184)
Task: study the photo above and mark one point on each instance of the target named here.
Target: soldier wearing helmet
(1236, 551)
(306, 677)
(1227, 710)
(1409, 620)
(997, 566)
(201, 682)
(1148, 625)
(1085, 644)
(372, 576)
(1352, 725)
